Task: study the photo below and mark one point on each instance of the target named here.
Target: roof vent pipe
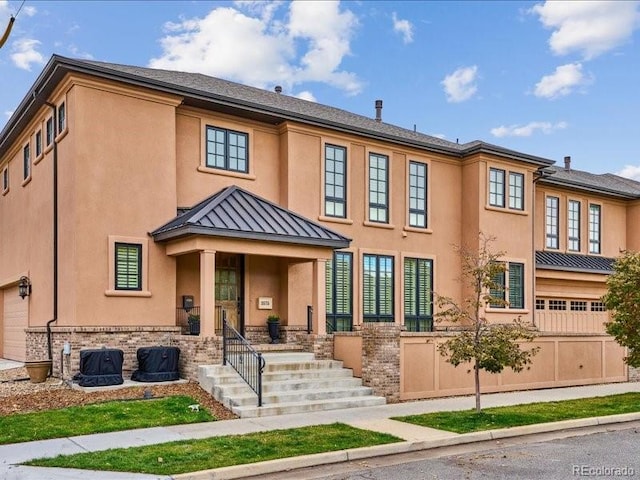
(378, 110)
(278, 89)
(567, 163)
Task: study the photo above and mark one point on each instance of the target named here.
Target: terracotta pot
(38, 370)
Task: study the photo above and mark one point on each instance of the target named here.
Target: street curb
(293, 463)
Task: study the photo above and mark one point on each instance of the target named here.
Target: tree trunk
(476, 374)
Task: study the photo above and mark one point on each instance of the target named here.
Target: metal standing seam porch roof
(235, 213)
(571, 262)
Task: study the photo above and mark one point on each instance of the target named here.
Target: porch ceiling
(236, 213)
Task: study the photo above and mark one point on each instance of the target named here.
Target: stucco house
(131, 197)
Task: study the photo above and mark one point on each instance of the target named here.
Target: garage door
(15, 320)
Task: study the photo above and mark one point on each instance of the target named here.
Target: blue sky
(544, 78)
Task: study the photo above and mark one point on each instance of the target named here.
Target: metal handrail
(237, 352)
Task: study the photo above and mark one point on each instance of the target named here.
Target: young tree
(623, 300)
(490, 347)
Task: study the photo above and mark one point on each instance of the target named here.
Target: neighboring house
(130, 193)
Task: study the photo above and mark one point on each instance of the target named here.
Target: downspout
(537, 175)
(55, 233)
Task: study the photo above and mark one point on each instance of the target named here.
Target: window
(335, 181)
(49, 131)
(557, 304)
(339, 281)
(496, 187)
(38, 143)
(552, 223)
(26, 162)
(598, 307)
(5, 179)
(227, 149)
(377, 288)
(516, 191)
(540, 303)
(594, 228)
(418, 294)
(578, 306)
(417, 195)
(128, 266)
(573, 226)
(378, 182)
(513, 275)
(62, 117)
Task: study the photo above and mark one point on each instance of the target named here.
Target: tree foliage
(490, 347)
(623, 300)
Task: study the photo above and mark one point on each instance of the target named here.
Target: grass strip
(100, 418)
(527, 414)
(194, 455)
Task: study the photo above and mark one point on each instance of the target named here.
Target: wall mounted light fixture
(24, 287)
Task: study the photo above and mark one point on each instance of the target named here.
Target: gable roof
(237, 213)
(571, 262)
(214, 93)
(605, 184)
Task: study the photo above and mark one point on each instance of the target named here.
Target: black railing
(238, 353)
(309, 319)
(188, 318)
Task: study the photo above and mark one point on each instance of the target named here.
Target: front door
(229, 269)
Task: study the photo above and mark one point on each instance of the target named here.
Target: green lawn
(194, 455)
(100, 418)
(503, 417)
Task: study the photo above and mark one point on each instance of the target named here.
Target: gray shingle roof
(234, 212)
(571, 262)
(607, 183)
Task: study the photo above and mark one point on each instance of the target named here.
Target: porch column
(319, 297)
(207, 293)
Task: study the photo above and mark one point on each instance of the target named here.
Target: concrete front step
(307, 406)
(292, 383)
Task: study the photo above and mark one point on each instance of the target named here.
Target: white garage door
(15, 320)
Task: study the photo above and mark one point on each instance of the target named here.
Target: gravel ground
(19, 395)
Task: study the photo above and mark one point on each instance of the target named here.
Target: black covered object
(157, 364)
(100, 368)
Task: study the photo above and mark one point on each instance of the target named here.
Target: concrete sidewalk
(372, 418)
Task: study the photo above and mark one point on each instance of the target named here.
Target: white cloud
(561, 82)
(306, 95)
(255, 48)
(630, 171)
(8, 113)
(588, 27)
(460, 85)
(528, 129)
(5, 12)
(403, 27)
(25, 53)
(29, 10)
(77, 53)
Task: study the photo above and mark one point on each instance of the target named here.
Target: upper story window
(516, 191)
(128, 266)
(552, 213)
(417, 194)
(62, 117)
(38, 143)
(339, 291)
(594, 228)
(378, 188)
(496, 187)
(49, 133)
(26, 161)
(5, 179)
(513, 276)
(335, 181)
(573, 226)
(377, 284)
(227, 149)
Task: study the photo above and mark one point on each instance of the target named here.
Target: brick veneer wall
(634, 374)
(381, 359)
(194, 350)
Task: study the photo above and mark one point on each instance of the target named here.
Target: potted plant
(273, 323)
(194, 324)
(38, 370)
